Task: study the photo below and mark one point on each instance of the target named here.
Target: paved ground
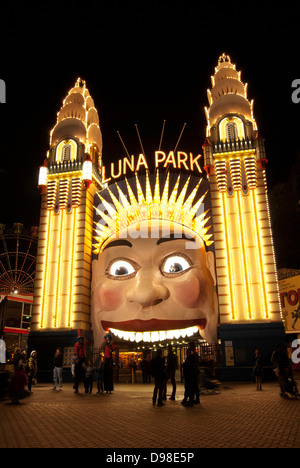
(239, 416)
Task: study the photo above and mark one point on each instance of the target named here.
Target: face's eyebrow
(117, 243)
(172, 237)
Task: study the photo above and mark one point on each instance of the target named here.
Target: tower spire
(235, 160)
(228, 96)
(69, 180)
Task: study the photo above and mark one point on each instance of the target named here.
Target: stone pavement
(239, 416)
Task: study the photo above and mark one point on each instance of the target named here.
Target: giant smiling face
(148, 285)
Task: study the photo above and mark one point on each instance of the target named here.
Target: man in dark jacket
(158, 372)
(170, 373)
(191, 373)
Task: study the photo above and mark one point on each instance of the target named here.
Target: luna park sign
(177, 160)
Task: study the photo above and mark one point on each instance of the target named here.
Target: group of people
(86, 372)
(163, 369)
(282, 367)
(25, 370)
(83, 370)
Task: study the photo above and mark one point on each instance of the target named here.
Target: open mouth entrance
(154, 336)
(151, 331)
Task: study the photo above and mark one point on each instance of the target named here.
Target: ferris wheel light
(18, 247)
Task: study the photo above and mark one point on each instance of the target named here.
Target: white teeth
(154, 336)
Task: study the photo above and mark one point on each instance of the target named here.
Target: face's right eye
(122, 269)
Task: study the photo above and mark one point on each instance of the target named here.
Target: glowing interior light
(43, 176)
(87, 170)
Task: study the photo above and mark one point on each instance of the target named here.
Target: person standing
(80, 352)
(191, 375)
(258, 370)
(172, 365)
(158, 372)
(89, 376)
(133, 369)
(280, 362)
(77, 374)
(16, 358)
(109, 364)
(196, 372)
(57, 369)
(32, 364)
(99, 373)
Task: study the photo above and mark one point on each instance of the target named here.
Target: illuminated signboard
(290, 303)
(172, 160)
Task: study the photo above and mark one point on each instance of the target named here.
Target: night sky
(144, 62)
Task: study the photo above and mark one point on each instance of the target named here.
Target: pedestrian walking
(108, 364)
(89, 377)
(158, 372)
(258, 370)
(32, 365)
(172, 365)
(100, 373)
(57, 369)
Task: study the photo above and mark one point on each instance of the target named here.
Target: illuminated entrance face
(154, 281)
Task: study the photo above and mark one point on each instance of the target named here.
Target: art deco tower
(235, 162)
(68, 181)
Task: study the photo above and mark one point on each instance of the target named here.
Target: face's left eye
(175, 264)
(121, 269)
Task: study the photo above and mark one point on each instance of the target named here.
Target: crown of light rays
(153, 203)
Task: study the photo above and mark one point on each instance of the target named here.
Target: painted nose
(147, 290)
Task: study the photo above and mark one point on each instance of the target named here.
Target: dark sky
(143, 62)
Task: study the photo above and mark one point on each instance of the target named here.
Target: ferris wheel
(18, 251)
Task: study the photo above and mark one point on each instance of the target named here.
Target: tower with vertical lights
(68, 181)
(235, 161)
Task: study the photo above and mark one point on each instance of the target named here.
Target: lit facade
(234, 160)
(68, 181)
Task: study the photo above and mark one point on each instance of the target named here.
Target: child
(88, 380)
